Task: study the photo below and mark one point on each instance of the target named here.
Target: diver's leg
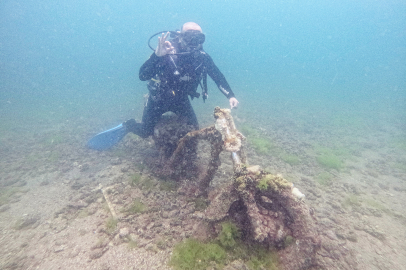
(150, 117)
(185, 109)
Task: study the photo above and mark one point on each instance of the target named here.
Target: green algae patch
(401, 166)
(374, 204)
(249, 131)
(168, 185)
(194, 255)
(263, 184)
(145, 183)
(136, 207)
(262, 258)
(7, 193)
(334, 157)
(289, 240)
(351, 200)
(135, 179)
(330, 161)
(132, 244)
(55, 139)
(273, 182)
(290, 159)
(226, 248)
(229, 234)
(324, 178)
(111, 225)
(261, 145)
(200, 203)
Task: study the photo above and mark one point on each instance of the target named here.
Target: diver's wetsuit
(172, 79)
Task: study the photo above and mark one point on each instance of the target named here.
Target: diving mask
(193, 38)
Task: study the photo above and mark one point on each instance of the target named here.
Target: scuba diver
(174, 72)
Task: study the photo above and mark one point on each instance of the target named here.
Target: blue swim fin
(108, 138)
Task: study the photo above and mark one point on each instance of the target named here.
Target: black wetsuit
(172, 79)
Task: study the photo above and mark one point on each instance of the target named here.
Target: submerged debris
(267, 208)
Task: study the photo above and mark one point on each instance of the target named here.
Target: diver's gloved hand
(130, 125)
(164, 46)
(233, 102)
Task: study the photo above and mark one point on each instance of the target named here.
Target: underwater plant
(200, 204)
(330, 161)
(227, 247)
(261, 145)
(324, 178)
(135, 179)
(132, 244)
(54, 140)
(248, 131)
(136, 207)
(229, 234)
(262, 258)
(351, 200)
(148, 183)
(290, 159)
(111, 225)
(289, 240)
(194, 255)
(53, 156)
(6, 193)
(399, 165)
(275, 182)
(263, 184)
(332, 158)
(168, 185)
(120, 153)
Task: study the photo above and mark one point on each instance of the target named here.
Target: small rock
(352, 237)
(375, 233)
(151, 247)
(266, 199)
(9, 182)
(330, 235)
(143, 242)
(78, 205)
(236, 265)
(59, 248)
(26, 222)
(74, 253)
(4, 208)
(254, 169)
(176, 222)
(124, 232)
(173, 213)
(400, 189)
(84, 167)
(115, 161)
(20, 183)
(198, 215)
(44, 183)
(97, 253)
(150, 226)
(76, 185)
